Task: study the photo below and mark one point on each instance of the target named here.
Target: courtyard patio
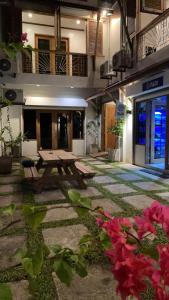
(119, 188)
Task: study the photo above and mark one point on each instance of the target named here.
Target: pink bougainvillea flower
(24, 37)
(143, 226)
(154, 213)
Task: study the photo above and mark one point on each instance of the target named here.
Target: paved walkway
(122, 189)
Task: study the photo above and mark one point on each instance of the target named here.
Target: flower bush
(137, 259)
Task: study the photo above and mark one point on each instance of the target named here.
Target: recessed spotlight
(78, 22)
(30, 15)
(37, 85)
(72, 87)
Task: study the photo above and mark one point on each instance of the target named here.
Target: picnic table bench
(66, 166)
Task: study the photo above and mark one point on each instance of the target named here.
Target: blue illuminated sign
(152, 84)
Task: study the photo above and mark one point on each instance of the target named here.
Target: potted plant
(117, 131)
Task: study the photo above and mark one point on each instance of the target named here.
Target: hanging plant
(11, 49)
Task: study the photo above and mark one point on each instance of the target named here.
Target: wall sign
(120, 110)
(152, 84)
(152, 6)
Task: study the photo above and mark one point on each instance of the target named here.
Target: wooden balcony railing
(153, 37)
(55, 63)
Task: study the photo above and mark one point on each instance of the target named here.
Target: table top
(57, 155)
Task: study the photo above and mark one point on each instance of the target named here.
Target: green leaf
(81, 268)
(64, 271)
(34, 215)
(85, 202)
(105, 241)
(28, 266)
(37, 261)
(78, 200)
(5, 292)
(74, 196)
(9, 210)
(151, 251)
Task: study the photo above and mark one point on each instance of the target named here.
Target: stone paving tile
(119, 189)
(97, 285)
(104, 179)
(129, 177)
(10, 179)
(6, 188)
(115, 171)
(9, 245)
(20, 290)
(149, 176)
(97, 162)
(128, 166)
(89, 192)
(8, 199)
(5, 220)
(149, 186)
(46, 196)
(66, 236)
(107, 205)
(59, 213)
(164, 196)
(104, 167)
(139, 201)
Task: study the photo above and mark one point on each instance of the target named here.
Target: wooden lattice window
(91, 38)
(152, 6)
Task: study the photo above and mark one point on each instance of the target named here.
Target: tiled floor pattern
(115, 187)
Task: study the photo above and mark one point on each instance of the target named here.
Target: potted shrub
(117, 131)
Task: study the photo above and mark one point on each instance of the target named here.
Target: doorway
(151, 132)
(54, 130)
(158, 132)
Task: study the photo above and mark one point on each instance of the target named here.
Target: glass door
(63, 130)
(158, 131)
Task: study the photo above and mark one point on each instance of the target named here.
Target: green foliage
(105, 240)
(77, 200)
(5, 292)
(12, 49)
(67, 263)
(8, 210)
(32, 262)
(117, 128)
(34, 215)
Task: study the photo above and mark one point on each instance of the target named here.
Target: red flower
(24, 37)
(143, 226)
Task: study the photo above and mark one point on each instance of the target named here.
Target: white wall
(77, 39)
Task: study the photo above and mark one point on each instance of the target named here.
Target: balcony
(55, 63)
(154, 37)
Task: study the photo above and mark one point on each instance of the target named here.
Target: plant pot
(16, 151)
(5, 164)
(112, 153)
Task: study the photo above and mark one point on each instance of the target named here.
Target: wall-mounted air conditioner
(7, 66)
(121, 61)
(14, 95)
(106, 71)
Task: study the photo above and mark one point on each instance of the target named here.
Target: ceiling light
(37, 85)
(104, 13)
(72, 87)
(78, 22)
(30, 15)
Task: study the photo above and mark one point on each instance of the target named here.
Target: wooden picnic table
(65, 165)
